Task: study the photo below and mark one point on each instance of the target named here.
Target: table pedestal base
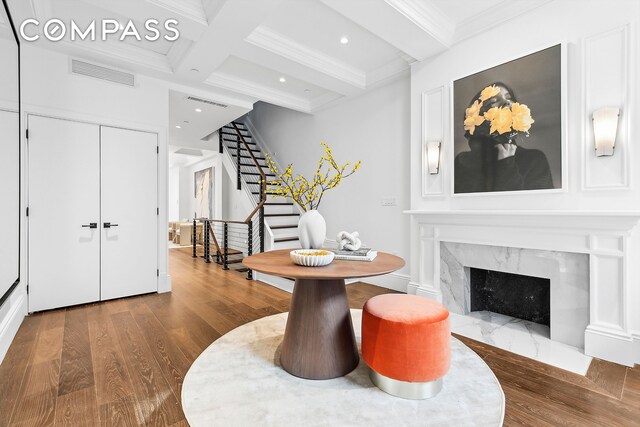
(319, 342)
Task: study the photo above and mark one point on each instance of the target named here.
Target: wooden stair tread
(285, 239)
(280, 227)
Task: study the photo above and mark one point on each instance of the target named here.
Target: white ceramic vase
(312, 230)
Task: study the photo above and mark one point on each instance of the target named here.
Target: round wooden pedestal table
(319, 341)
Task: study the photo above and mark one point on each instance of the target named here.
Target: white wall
(174, 194)
(601, 38)
(571, 22)
(373, 128)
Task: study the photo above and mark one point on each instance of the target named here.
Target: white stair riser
(286, 245)
(276, 209)
(285, 232)
(282, 220)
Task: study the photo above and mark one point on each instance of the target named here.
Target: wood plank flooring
(123, 362)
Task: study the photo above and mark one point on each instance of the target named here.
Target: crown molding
(178, 51)
(387, 72)
(191, 9)
(428, 18)
(274, 42)
(261, 92)
(495, 16)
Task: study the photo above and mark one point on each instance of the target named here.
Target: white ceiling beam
(415, 27)
(232, 23)
(288, 48)
(289, 67)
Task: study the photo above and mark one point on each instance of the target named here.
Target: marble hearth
(562, 343)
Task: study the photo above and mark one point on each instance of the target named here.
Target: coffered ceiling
(299, 54)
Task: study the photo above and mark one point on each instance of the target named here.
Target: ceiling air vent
(103, 73)
(206, 101)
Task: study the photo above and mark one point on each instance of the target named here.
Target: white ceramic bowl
(299, 258)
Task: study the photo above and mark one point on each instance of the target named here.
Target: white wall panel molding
(608, 62)
(433, 129)
(274, 42)
(609, 238)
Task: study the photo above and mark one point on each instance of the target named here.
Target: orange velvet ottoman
(406, 341)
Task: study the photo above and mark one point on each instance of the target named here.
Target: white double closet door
(92, 212)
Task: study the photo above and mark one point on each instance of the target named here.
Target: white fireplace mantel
(611, 239)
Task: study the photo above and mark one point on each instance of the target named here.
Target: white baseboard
(393, 281)
(425, 291)
(275, 281)
(615, 347)
(14, 310)
(636, 346)
(164, 283)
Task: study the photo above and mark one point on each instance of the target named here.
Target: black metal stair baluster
(238, 162)
(193, 241)
(207, 243)
(225, 258)
(249, 246)
(221, 141)
(261, 216)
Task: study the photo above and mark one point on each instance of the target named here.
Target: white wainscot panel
(608, 59)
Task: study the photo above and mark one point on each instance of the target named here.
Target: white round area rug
(238, 381)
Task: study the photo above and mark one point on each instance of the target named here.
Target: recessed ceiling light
(178, 127)
(195, 70)
(282, 80)
(344, 40)
(198, 110)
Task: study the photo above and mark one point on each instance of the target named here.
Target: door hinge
(27, 289)
(27, 210)
(157, 149)
(27, 133)
(157, 211)
(158, 273)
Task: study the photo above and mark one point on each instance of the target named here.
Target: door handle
(90, 225)
(109, 225)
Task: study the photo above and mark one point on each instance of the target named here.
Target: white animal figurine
(348, 241)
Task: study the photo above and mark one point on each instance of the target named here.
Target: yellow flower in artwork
(473, 117)
(489, 92)
(521, 117)
(500, 119)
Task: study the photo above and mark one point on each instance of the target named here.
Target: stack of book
(362, 254)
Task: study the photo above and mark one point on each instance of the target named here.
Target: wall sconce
(605, 127)
(433, 157)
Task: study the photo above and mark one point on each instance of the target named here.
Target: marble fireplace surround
(609, 239)
(568, 274)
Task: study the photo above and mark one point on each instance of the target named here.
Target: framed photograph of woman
(507, 126)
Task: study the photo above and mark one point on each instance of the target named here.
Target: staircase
(272, 225)
(280, 215)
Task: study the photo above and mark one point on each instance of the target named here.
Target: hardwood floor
(123, 362)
